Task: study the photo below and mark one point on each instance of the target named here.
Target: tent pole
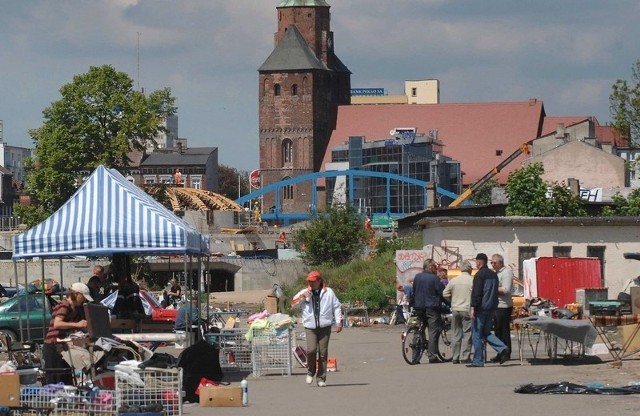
(61, 277)
(201, 284)
(187, 321)
(207, 280)
(15, 272)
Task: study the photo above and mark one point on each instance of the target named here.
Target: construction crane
(524, 148)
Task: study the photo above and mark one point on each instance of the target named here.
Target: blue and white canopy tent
(108, 215)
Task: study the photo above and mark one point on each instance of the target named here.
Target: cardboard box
(271, 304)
(10, 389)
(221, 396)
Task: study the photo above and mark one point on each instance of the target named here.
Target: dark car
(27, 315)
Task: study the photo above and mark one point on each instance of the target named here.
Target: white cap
(82, 288)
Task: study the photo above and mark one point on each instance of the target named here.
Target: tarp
(109, 215)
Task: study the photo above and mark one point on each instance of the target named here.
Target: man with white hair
(502, 325)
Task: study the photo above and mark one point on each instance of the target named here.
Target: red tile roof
(610, 135)
(471, 132)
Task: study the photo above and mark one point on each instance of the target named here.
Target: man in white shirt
(502, 327)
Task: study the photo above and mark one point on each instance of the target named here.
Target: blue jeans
(481, 331)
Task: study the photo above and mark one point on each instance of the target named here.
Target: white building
(521, 238)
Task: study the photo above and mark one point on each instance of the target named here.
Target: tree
(482, 196)
(562, 203)
(529, 195)
(526, 191)
(624, 207)
(624, 105)
(98, 120)
(334, 237)
(228, 182)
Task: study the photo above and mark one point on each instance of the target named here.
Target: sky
(567, 53)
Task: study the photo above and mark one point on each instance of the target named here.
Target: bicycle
(414, 345)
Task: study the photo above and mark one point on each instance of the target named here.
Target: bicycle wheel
(412, 347)
(445, 350)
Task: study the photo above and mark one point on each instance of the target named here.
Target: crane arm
(524, 148)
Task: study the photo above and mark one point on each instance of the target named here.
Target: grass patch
(371, 281)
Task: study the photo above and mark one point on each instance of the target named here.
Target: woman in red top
(67, 317)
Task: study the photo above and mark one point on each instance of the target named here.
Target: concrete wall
(67, 272)
(593, 167)
(263, 274)
(505, 238)
(561, 136)
(250, 274)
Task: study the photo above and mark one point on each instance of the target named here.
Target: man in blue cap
(484, 302)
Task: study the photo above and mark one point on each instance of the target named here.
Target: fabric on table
(581, 331)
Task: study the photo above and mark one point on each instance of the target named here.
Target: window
(294, 89)
(498, 152)
(561, 251)
(598, 251)
(276, 90)
(196, 183)
(414, 92)
(287, 151)
(287, 192)
(526, 253)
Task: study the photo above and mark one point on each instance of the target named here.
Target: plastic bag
(565, 387)
(205, 382)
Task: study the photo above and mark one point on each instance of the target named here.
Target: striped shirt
(68, 314)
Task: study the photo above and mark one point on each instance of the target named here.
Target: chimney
(574, 186)
(560, 131)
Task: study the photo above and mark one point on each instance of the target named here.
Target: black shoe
(474, 366)
(434, 361)
(455, 362)
(504, 355)
(467, 361)
(495, 359)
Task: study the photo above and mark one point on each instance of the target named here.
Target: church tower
(302, 83)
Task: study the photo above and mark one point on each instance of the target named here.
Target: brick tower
(302, 83)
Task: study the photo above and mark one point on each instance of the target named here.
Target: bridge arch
(350, 175)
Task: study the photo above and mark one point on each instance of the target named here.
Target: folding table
(601, 323)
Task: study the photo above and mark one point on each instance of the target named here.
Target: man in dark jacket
(427, 298)
(484, 302)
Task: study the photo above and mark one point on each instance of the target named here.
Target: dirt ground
(373, 379)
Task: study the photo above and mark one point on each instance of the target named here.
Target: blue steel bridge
(391, 180)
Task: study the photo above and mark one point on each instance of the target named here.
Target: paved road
(374, 380)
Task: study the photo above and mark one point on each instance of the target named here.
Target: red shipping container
(557, 278)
